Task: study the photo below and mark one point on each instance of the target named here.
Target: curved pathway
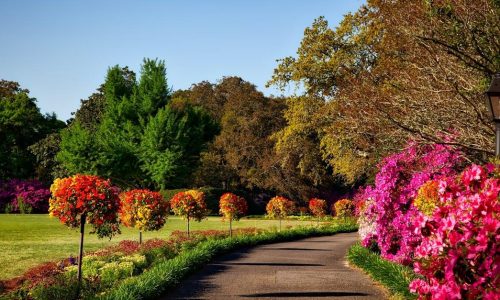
(312, 268)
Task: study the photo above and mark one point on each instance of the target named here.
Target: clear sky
(60, 50)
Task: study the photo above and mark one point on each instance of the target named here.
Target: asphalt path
(312, 268)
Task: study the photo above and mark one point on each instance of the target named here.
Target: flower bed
(105, 267)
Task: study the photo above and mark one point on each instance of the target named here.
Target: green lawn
(27, 240)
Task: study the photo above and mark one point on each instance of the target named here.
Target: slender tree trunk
(280, 224)
(231, 227)
(80, 255)
(140, 236)
(188, 227)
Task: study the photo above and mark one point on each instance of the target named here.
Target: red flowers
(89, 195)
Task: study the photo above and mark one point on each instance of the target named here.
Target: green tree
(21, 125)
(172, 142)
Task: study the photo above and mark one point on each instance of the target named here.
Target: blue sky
(60, 50)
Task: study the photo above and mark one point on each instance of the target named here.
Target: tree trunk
(188, 227)
(80, 255)
(140, 237)
(230, 227)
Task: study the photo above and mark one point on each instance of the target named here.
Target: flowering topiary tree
(189, 205)
(317, 207)
(280, 207)
(144, 210)
(232, 207)
(460, 229)
(84, 199)
(344, 208)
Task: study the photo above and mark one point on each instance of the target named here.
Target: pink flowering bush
(24, 195)
(388, 219)
(459, 255)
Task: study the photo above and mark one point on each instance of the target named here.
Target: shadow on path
(304, 294)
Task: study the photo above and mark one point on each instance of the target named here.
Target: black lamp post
(493, 94)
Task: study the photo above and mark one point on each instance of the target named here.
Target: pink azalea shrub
(459, 255)
(388, 219)
(31, 193)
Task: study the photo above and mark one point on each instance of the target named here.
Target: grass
(28, 240)
(394, 277)
(167, 274)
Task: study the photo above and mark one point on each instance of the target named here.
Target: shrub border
(167, 274)
(394, 277)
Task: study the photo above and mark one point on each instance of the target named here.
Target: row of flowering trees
(427, 211)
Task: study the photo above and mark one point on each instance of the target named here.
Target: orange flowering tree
(344, 208)
(232, 207)
(280, 207)
(81, 199)
(144, 210)
(317, 207)
(189, 205)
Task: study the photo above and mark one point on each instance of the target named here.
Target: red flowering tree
(81, 199)
(232, 207)
(317, 207)
(144, 210)
(189, 205)
(280, 207)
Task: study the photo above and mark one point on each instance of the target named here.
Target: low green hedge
(394, 277)
(168, 273)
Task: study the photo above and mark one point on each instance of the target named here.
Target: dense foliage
(143, 209)
(21, 125)
(232, 207)
(86, 195)
(390, 71)
(138, 139)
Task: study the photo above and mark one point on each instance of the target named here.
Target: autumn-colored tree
(384, 75)
(232, 207)
(280, 207)
(189, 205)
(144, 210)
